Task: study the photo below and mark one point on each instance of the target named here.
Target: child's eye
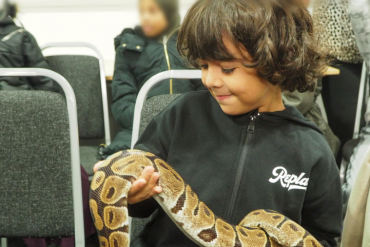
(228, 71)
(203, 66)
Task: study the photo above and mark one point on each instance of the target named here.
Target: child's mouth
(222, 97)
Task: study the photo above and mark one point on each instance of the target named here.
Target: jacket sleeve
(125, 90)
(322, 210)
(34, 58)
(156, 139)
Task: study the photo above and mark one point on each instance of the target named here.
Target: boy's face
(238, 89)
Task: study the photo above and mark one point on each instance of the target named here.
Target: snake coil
(108, 205)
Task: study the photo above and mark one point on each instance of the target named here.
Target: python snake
(108, 205)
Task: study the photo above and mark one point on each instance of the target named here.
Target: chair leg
(4, 242)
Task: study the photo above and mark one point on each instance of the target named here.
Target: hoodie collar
(290, 114)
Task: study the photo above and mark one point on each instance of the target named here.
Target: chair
(86, 75)
(143, 95)
(146, 110)
(41, 194)
(153, 106)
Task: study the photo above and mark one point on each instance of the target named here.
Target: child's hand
(144, 187)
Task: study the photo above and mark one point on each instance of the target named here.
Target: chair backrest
(143, 94)
(35, 165)
(153, 106)
(83, 73)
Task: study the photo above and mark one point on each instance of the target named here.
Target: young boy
(238, 146)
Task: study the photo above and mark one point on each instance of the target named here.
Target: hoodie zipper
(165, 40)
(241, 165)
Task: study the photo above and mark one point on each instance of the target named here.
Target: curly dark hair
(278, 35)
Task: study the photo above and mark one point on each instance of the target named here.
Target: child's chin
(230, 110)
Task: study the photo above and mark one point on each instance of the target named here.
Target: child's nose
(212, 80)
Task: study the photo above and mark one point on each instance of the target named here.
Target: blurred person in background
(356, 225)
(19, 49)
(306, 104)
(140, 54)
(340, 93)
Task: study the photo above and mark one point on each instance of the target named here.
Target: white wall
(94, 21)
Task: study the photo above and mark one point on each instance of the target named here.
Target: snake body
(108, 205)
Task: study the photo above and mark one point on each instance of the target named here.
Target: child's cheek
(204, 79)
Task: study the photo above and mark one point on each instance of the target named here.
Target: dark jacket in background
(306, 104)
(236, 165)
(138, 59)
(19, 49)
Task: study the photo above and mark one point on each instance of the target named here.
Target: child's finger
(97, 165)
(146, 191)
(141, 192)
(156, 190)
(153, 180)
(137, 186)
(147, 173)
(140, 186)
(144, 196)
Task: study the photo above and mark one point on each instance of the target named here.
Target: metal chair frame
(75, 154)
(361, 95)
(102, 78)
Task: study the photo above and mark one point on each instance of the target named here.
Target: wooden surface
(329, 71)
(332, 71)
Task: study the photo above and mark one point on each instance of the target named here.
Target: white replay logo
(290, 181)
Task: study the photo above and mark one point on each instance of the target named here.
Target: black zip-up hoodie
(237, 164)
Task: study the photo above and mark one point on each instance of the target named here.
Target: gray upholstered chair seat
(88, 158)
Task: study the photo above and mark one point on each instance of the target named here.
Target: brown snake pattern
(108, 205)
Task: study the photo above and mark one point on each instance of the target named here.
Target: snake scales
(108, 205)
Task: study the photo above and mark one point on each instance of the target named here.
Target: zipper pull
(251, 125)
